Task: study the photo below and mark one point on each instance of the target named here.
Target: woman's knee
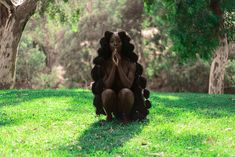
(126, 95)
(107, 95)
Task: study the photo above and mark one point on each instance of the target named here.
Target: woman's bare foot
(125, 118)
(109, 117)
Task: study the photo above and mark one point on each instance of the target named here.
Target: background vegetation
(61, 39)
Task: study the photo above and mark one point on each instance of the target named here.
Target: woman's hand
(116, 57)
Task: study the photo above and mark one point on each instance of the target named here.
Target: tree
(13, 18)
(216, 80)
(202, 27)
(14, 14)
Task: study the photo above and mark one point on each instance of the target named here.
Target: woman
(118, 83)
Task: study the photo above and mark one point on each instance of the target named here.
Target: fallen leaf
(228, 129)
(144, 143)
(161, 154)
(111, 129)
(79, 147)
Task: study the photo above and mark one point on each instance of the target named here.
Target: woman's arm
(109, 77)
(128, 79)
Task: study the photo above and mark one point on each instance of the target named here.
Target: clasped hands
(115, 57)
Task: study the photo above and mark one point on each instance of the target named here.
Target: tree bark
(12, 24)
(216, 80)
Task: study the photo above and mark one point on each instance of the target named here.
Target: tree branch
(8, 4)
(26, 9)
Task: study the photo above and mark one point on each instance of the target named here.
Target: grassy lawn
(63, 123)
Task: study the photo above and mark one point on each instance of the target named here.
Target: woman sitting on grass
(119, 88)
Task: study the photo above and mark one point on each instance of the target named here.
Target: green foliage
(165, 73)
(78, 64)
(68, 33)
(165, 70)
(32, 71)
(54, 79)
(64, 15)
(193, 26)
(63, 123)
(230, 73)
(30, 60)
(64, 12)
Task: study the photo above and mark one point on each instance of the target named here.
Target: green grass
(63, 123)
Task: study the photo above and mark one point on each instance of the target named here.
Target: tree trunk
(12, 24)
(216, 80)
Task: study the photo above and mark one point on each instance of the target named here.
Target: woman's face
(115, 43)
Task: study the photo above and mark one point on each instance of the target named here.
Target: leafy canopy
(192, 25)
(69, 13)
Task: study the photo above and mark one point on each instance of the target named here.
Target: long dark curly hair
(141, 94)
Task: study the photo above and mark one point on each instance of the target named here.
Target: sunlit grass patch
(63, 123)
(169, 97)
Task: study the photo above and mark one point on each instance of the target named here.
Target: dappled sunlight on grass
(43, 123)
(63, 123)
(169, 97)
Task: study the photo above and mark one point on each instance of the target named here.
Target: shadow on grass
(5, 119)
(206, 106)
(110, 140)
(101, 139)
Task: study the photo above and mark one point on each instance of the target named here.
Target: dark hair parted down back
(141, 94)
